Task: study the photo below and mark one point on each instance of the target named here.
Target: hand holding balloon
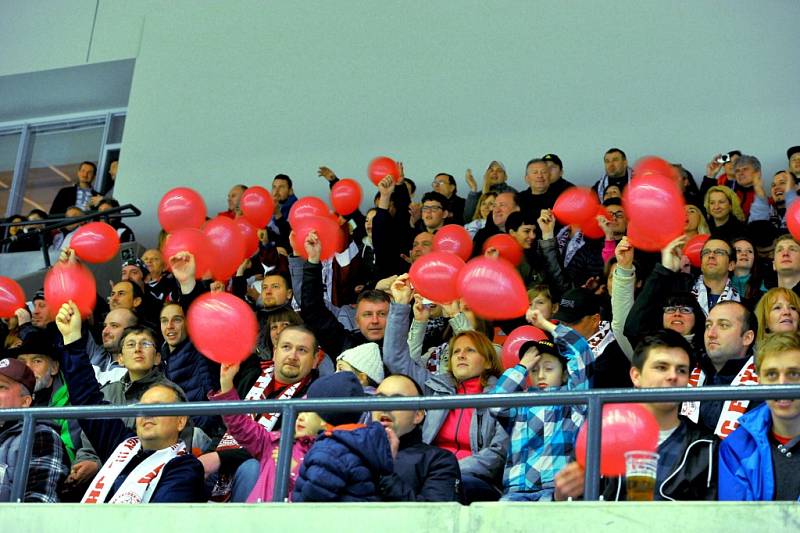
(313, 247)
(401, 290)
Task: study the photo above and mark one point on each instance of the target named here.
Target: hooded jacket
(745, 459)
(345, 464)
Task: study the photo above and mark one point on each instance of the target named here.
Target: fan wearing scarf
(152, 465)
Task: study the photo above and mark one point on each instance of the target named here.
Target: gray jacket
(488, 439)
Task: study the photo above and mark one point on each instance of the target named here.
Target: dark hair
(282, 274)
(139, 330)
(434, 196)
(374, 296)
(37, 212)
(517, 219)
(94, 167)
(617, 150)
(612, 201)
(410, 182)
(737, 153)
(167, 303)
(731, 255)
(665, 338)
(514, 195)
(137, 290)
(285, 178)
(534, 160)
(111, 202)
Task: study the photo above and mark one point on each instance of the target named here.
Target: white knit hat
(365, 358)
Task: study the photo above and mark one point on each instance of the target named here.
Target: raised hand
(624, 253)
(473, 185)
(226, 375)
(401, 290)
(421, 312)
(68, 321)
(547, 224)
(535, 317)
(327, 173)
(183, 266)
(672, 252)
(313, 247)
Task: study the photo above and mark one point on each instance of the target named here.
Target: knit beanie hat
(338, 385)
(365, 358)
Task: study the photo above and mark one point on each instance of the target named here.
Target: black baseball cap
(576, 304)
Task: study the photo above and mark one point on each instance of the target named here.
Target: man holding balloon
(687, 453)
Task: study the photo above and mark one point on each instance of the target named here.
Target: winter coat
(261, 444)
(488, 439)
(345, 465)
(422, 473)
(196, 375)
(745, 459)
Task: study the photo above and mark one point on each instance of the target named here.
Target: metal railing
(594, 399)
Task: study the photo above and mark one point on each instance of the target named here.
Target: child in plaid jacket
(542, 437)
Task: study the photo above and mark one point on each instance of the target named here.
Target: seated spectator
(617, 174)
(434, 212)
(558, 183)
(38, 354)
(288, 375)
(234, 195)
(432, 328)
(49, 464)
(473, 367)
(695, 222)
(783, 192)
(482, 211)
(687, 452)
(158, 282)
(777, 312)
(129, 458)
(347, 459)
(542, 438)
(580, 310)
(422, 472)
(364, 361)
(115, 221)
(786, 262)
(505, 204)
(446, 185)
(759, 461)
(726, 218)
(746, 277)
(263, 444)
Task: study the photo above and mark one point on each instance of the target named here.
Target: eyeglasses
(617, 214)
(440, 182)
(719, 252)
(131, 345)
(430, 208)
(682, 309)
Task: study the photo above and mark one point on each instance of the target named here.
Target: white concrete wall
(242, 90)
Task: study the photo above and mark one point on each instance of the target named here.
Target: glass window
(8, 155)
(55, 158)
(115, 129)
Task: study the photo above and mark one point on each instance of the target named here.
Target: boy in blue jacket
(761, 459)
(348, 458)
(542, 437)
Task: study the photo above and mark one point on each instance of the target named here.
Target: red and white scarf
(259, 391)
(732, 409)
(140, 483)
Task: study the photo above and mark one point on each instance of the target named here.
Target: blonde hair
(484, 196)
(736, 206)
(775, 345)
(765, 304)
(484, 347)
(702, 225)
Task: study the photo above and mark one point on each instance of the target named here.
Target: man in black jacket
(687, 452)
(422, 472)
(81, 195)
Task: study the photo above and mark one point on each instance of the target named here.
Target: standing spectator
(446, 185)
(727, 220)
(494, 180)
(617, 173)
(234, 195)
(79, 195)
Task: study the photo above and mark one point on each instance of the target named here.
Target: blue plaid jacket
(543, 437)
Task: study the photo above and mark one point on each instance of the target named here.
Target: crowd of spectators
(353, 325)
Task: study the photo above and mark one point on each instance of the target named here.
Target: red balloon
(654, 207)
(693, 248)
(380, 167)
(189, 240)
(453, 239)
(95, 242)
(493, 288)
(65, 282)
(793, 220)
(507, 246)
(181, 207)
(250, 236)
(655, 165)
(328, 231)
(435, 276)
(214, 313)
(591, 229)
(257, 206)
(576, 205)
(12, 297)
(226, 245)
(627, 427)
(308, 206)
(345, 196)
(510, 355)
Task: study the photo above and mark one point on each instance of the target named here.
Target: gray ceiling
(65, 91)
